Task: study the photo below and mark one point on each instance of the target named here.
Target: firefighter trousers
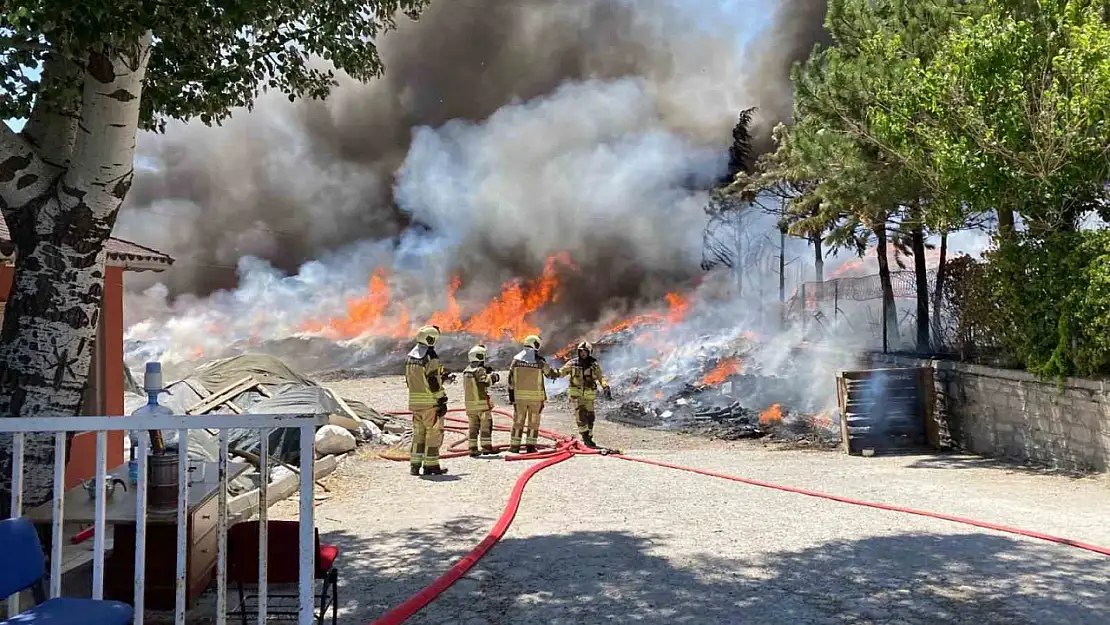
(526, 423)
(427, 436)
(480, 432)
(584, 415)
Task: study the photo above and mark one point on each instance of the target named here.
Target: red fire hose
(565, 447)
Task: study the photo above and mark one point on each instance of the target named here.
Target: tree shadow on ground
(618, 577)
(960, 460)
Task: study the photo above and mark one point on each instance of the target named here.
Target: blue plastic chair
(25, 566)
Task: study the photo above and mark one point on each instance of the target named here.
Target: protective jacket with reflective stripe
(424, 377)
(585, 377)
(476, 384)
(526, 375)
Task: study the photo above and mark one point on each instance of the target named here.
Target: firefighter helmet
(428, 335)
(533, 341)
(585, 346)
(477, 353)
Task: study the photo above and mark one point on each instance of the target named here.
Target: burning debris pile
(688, 362)
(728, 385)
(720, 404)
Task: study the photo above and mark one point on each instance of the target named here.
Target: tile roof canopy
(121, 253)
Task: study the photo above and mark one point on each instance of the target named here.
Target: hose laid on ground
(566, 447)
(882, 506)
(415, 603)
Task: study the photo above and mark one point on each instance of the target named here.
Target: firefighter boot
(530, 449)
(588, 436)
(431, 462)
(416, 456)
(485, 434)
(472, 433)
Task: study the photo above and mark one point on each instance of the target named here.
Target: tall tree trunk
(60, 210)
(890, 313)
(782, 276)
(1005, 224)
(818, 258)
(938, 289)
(738, 266)
(921, 275)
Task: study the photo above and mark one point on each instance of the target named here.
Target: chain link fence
(852, 307)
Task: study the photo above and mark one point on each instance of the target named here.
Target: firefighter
(477, 379)
(527, 394)
(585, 377)
(427, 401)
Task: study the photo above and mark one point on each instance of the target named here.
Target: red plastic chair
(283, 562)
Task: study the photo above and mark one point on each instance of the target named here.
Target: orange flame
(449, 320)
(677, 307)
(367, 314)
(821, 420)
(375, 314)
(720, 373)
(771, 415)
(504, 316)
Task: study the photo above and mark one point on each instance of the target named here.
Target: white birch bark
(60, 226)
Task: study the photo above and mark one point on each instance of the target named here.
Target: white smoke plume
(503, 132)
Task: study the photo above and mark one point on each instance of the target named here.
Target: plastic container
(162, 467)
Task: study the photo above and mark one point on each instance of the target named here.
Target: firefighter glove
(512, 397)
(494, 378)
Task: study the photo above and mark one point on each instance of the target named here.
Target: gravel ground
(599, 540)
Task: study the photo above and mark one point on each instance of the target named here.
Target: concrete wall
(1013, 414)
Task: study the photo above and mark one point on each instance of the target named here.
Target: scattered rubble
(724, 391)
(258, 384)
(334, 440)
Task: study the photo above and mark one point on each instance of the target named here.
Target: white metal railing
(101, 425)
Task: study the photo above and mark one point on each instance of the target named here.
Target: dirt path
(599, 540)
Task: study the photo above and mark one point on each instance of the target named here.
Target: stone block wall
(1013, 414)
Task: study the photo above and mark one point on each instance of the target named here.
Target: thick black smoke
(289, 183)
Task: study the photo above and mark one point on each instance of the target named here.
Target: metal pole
(221, 533)
(836, 299)
(140, 524)
(17, 501)
(307, 526)
(56, 535)
(99, 514)
(182, 520)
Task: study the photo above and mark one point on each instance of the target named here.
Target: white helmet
(585, 346)
(477, 353)
(428, 335)
(533, 341)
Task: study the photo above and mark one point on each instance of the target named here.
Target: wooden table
(161, 538)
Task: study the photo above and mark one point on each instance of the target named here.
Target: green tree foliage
(205, 58)
(1043, 300)
(1010, 113)
(928, 116)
